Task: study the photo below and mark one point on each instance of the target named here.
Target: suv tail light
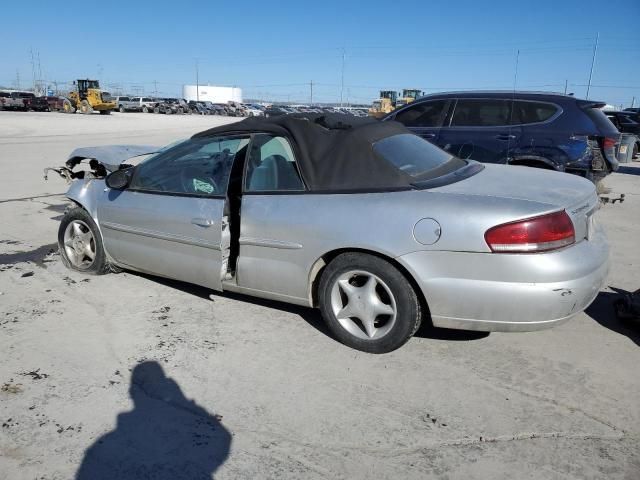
(609, 142)
(537, 234)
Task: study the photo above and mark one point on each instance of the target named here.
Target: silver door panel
(173, 236)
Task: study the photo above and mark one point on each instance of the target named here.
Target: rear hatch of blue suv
(535, 129)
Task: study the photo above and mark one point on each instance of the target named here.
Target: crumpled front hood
(111, 156)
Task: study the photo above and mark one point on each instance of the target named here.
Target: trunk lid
(558, 190)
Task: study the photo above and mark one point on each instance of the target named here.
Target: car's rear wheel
(367, 303)
(145, 110)
(80, 243)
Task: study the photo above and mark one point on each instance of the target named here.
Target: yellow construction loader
(408, 96)
(86, 97)
(385, 104)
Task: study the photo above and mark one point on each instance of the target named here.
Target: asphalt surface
(166, 381)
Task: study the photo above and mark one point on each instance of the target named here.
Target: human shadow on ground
(310, 315)
(165, 437)
(603, 312)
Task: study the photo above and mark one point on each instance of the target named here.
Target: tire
(121, 109)
(78, 239)
(156, 110)
(85, 107)
(145, 110)
(394, 312)
(635, 151)
(105, 112)
(67, 107)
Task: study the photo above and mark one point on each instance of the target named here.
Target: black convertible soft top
(334, 151)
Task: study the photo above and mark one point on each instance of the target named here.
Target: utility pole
(197, 82)
(342, 77)
(566, 83)
(593, 61)
(633, 102)
(18, 79)
(311, 93)
(515, 76)
(33, 69)
(155, 88)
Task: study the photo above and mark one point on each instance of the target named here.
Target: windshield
(416, 157)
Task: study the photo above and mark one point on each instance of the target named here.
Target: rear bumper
(510, 292)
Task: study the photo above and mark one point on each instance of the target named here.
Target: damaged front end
(100, 160)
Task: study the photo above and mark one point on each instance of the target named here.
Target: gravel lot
(144, 369)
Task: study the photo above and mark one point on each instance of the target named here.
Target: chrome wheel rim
(79, 244)
(363, 304)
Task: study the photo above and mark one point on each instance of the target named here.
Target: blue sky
(273, 49)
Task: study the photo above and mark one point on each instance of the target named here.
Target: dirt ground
(172, 382)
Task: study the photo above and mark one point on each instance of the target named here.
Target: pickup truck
(16, 101)
(127, 104)
(39, 104)
(144, 104)
(56, 104)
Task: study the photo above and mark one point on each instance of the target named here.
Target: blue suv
(544, 130)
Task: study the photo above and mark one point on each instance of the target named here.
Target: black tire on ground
(145, 110)
(408, 307)
(105, 112)
(156, 110)
(99, 265)
(121, 109)
(635, 151)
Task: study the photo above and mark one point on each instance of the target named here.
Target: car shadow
(602, 311)
(427, 330)
(310, 315)
(628, 170)
(165, 437)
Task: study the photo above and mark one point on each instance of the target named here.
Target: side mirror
(119, 180)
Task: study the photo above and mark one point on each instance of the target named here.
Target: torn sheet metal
(111, 156)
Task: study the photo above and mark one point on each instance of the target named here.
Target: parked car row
(180, 106)
(543, 130)
(276, 110)
(25, 101)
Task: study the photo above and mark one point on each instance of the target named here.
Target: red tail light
(609, 142)
(537, 234)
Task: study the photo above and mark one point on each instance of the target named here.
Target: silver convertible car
(373, 225)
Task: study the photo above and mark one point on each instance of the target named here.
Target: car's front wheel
(368, 303)
(80, 243)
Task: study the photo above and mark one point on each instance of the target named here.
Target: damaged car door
(170, 220)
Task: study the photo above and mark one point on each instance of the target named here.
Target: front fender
(86, 193)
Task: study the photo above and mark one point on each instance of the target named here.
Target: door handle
(202, 222)
(504, 136)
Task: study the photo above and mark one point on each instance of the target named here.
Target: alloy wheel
(79, 244)
(363, 304)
